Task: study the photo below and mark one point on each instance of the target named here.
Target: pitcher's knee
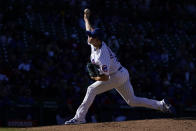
(133, 103)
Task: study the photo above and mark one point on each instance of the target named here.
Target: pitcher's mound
(132, 125)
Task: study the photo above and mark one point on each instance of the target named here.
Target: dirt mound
(132, 125)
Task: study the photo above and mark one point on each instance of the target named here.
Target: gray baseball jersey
(105, 58)
(119, 79)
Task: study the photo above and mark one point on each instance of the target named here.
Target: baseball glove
(93, 69)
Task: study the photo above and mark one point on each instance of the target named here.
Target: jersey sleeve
(104, 60)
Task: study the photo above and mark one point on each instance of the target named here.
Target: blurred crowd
(43, 50)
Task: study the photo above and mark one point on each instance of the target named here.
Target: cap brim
(89, 33)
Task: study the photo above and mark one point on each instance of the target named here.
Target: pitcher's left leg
(126, 91)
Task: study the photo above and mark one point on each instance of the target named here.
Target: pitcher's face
(94, 41)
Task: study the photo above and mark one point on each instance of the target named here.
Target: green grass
(10, 129)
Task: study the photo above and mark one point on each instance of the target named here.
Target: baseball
(87, 11)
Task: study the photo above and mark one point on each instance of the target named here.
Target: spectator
(42, 48)
(3, 77)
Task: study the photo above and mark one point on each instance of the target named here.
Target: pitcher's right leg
(96, 88)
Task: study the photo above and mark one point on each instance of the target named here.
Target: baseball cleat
(167, 107)
(74, 121)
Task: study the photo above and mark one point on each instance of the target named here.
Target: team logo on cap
(104, 68)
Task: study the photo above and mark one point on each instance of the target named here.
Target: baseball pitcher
(108, 73)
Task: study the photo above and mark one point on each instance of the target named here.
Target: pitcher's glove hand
(93, 70)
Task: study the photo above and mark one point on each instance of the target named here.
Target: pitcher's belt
(117, 70)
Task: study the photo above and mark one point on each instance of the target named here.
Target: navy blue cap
(96, 33)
